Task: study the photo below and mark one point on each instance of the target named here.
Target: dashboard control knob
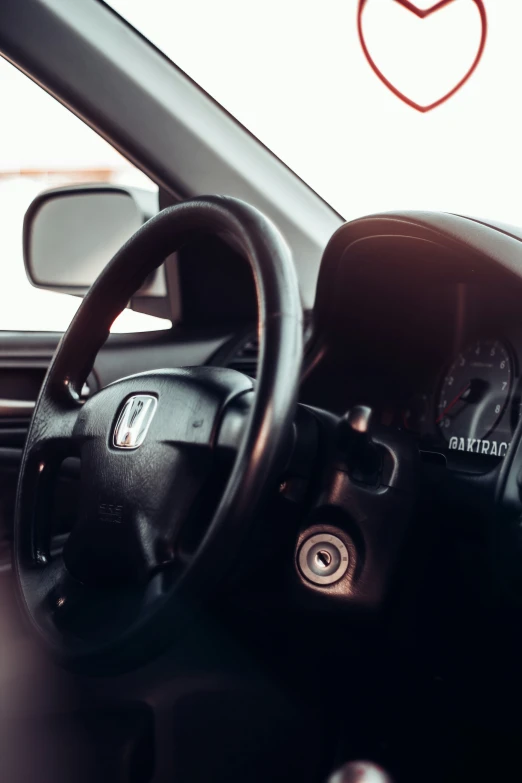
(360, 772)
(358, 420)
(355, 441)
(323, 559)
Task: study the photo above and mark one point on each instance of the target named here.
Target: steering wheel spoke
(52, 435)
(233, 424)
(84, 615)
(50, 440)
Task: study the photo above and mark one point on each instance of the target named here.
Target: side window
(43, 145)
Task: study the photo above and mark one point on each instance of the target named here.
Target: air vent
(245, 355)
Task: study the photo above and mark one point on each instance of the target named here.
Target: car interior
(279, 540)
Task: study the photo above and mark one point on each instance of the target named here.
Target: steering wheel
(150, 448)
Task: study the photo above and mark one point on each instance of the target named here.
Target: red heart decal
(423, 13)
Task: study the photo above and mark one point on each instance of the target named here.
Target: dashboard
(424, 325)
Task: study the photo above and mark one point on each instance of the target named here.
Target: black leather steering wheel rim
(55, 424)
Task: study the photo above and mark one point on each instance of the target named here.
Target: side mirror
(71, 233)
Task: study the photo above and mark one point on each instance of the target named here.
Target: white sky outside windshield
(295, 74)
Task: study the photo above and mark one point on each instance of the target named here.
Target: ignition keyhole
(323, 558)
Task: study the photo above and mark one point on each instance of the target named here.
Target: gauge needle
(454, 401)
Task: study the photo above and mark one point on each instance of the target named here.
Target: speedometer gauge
(474, 395)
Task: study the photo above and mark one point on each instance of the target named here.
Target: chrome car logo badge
(134, 421)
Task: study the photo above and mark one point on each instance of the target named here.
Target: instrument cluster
(475, 405)
(417, 315)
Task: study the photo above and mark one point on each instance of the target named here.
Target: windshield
(338, 90)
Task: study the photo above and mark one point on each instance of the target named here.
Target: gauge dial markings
(483, 373)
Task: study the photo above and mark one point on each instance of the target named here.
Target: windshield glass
(339, 90)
